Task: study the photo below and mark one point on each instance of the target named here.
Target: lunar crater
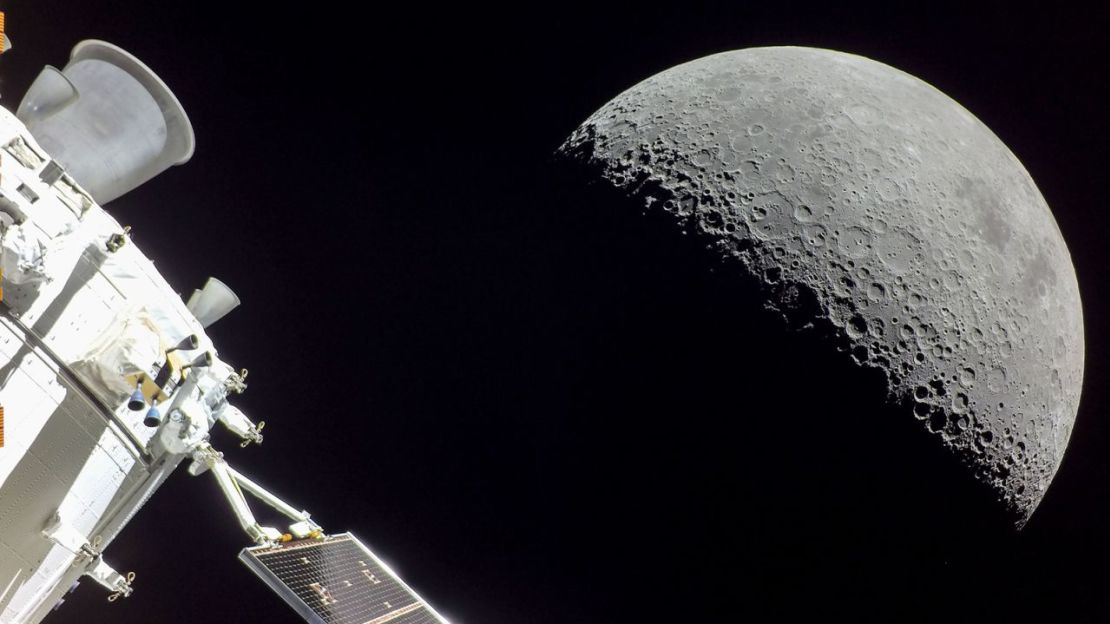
(874, 208)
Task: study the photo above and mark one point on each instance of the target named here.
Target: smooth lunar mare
(919, 236)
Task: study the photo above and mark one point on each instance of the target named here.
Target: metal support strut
(232, 484)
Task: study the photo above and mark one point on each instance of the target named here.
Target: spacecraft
(108, 381)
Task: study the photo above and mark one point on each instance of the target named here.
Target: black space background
(529, 407)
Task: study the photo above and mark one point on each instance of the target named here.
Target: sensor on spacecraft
(108, 380)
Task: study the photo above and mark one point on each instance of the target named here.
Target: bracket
(89, 554)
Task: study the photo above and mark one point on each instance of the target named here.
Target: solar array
(337, 580)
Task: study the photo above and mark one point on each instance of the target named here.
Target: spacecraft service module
(108, 380)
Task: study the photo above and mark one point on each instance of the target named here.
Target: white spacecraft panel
(30, 395)
(74, 457)
(107, 378)
(72, 468)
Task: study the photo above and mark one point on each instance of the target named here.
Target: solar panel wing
(337, 580)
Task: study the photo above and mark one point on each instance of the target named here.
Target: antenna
(108, 119)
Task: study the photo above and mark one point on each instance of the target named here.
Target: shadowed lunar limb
(873, 207)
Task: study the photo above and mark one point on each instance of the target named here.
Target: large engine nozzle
(108, 119)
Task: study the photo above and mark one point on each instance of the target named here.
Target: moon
(925, 247)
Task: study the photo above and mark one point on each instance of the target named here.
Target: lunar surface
(872, 207)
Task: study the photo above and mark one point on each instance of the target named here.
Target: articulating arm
(233, 484)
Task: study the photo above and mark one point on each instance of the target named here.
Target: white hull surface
(107, 379)
(86, 322)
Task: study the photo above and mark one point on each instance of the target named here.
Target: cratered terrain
(875, 212)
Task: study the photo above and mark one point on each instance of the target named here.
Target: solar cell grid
(338, 581)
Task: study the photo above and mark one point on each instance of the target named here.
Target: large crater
(876, 210)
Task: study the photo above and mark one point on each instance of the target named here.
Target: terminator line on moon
(921, 240)
(917, 234)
